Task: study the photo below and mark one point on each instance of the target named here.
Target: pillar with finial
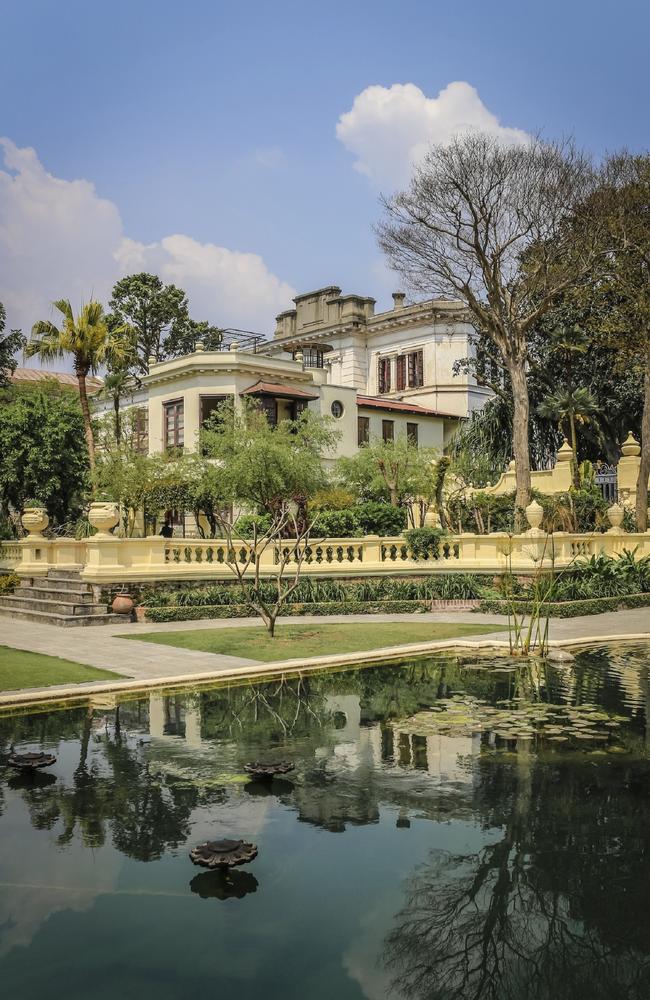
(627, 471)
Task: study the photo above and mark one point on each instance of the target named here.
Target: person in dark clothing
(167, 531)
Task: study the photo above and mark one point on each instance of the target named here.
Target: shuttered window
(174, 417)
(383, 375)
(415, 369)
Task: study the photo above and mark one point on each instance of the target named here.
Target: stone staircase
(60, 598)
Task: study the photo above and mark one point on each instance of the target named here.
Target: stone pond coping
(87, 692)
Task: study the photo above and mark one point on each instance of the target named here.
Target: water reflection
(224, 885)
(545, 895)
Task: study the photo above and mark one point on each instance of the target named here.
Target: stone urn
(123, 604)
(35, 521)
(103, 515)
(534, 515)
(615, 515)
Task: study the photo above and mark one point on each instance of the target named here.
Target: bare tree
(503, 229)
(288, 537)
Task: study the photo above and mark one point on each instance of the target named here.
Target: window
(297, 407)
(400, 379)
(412, 434)
(209, 405)
(269, 406)
(174, 424)
(388, 430)
(383, 375)
(363, 430)
(312, 357)
(141, 431)
(415, 369)
(337, 409)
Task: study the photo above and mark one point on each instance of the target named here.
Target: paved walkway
(102, 646)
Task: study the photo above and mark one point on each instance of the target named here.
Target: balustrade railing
(117, 560)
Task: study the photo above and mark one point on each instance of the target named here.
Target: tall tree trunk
(85, 409)
(574, 448)
(644, 468)
(117, 419)
(520, 436)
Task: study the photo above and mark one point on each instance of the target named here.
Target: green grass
(21, 669)
(310, 640)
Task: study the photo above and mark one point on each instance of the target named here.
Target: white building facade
(378, 376)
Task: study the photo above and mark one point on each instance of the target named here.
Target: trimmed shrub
(336, 524)
(8, 582)
(375, 518)
(424, 542)
(568, 609)
(245, 524)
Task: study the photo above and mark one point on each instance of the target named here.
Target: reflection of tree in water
(555, 907)
(143, 815)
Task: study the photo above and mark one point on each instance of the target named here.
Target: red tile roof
(63, 378)
(262, 388)
(399, 406)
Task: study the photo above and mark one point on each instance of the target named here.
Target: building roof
(399, 406)
(65, 379)
(262, 388)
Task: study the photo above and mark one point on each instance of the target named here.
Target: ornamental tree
(489, 224)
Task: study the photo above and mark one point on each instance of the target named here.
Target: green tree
(276, 470)
(570, 407)
(43, 450)
(87, 339)
(159, 316)
(396, 470)
(626, 286)
(10, 344)
(489, 224)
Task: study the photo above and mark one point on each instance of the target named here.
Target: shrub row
(452, 586)
(568, 609)
(185, 614)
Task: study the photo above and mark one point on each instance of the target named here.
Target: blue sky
(216, 123)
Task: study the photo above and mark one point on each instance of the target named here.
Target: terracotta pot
(35, 520)
(123, 604)
(140, 613)
(103, 515)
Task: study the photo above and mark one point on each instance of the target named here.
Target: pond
(454, 828)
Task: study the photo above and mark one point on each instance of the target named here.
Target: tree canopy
(10, 344)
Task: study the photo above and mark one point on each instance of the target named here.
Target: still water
(454, 829)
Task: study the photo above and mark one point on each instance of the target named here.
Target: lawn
(20, 669)
(310, 640)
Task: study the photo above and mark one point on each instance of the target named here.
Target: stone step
(65, 621)
(54, 606)
(72, 594)
(64, 574)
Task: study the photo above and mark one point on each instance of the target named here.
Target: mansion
(378, 375)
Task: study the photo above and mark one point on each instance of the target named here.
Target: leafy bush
(336, 524)
(424, 542)
(457, 586)
(375, 518)
(332, 498)
(8, 582)
(245, 524)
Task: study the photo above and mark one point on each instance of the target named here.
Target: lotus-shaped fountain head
(223, 853)
(265, 771)
(30, 761)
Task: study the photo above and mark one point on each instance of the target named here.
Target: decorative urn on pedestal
(34, 518)
(534, 515)
(615, 515)
(103, 515)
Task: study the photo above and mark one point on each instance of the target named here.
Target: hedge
(568, 609)
(193, 613)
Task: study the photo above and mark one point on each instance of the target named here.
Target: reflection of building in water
(175, 716)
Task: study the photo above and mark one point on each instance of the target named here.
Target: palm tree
(89, 341)
(570, 407)
(115, 384)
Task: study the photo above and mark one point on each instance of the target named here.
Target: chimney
(398, 300)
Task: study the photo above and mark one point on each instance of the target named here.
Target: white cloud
(58, 238)
(388, 129)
